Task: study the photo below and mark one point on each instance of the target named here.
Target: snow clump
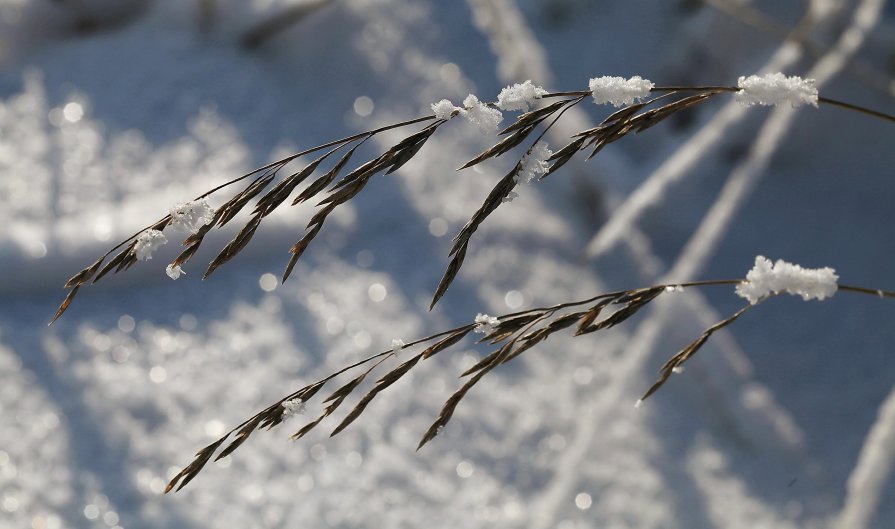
(766, 278)
(191, 216)
(619, 91)
(147, 242)
(444, 109)
(534, 163)
(776, 89)
(293, 407)
(519, 96)
(397, 345)
(485, 117)
(485, 324)
(174, 271)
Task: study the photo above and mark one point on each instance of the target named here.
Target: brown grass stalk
(514, 334)
(631, 119)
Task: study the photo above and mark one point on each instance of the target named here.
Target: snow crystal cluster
(174, 271)
(619, 91)
(776, 89)
(147, 243)
(485, 117)
(293, 407)
(534, 164)
(444, 109)
(397, 345)
(480, 114)
(485, 324)
(766, 278)
(191, 216)
(520, 96)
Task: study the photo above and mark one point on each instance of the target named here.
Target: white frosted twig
(767, 278)
(875, 464)
(619, 91)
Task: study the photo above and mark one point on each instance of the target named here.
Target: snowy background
(113, 111)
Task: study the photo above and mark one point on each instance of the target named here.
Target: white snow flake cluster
(174, 271)
(619, 91)
(520, 96)
(444, 109)
(397, 345)
(292, 408)
(776, 89)
(485, 324)
(766, 278)
(191, 216)
(485, 117)
(534, 163)
(147, 242)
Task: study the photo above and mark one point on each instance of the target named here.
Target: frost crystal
(397, 345)
(487, 118)
(293, 407)
(765, 278)
(147, 242)
(519, 96)
(444, 109)
(191, 216)
(534, 163)
(776, 89)
(485, 324)
(174, 271)
(618, 90)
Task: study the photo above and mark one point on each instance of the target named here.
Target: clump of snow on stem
(147, 242)
(776, 89)
(174, 271)
(519, 96)
(191, 216)
(293, 407)
(485, 324)
(765, 278)
(534, 164)
(485, 117)
(397, 345)
(619, 91)
(444, 109)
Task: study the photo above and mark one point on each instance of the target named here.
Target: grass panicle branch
(513, 333)
(632, 118)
